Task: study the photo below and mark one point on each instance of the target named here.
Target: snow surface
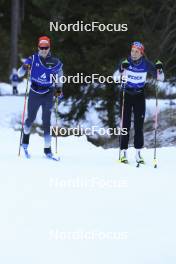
(87, 191)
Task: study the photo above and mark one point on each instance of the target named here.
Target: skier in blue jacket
(132, 97)
(41, 64)
(14, 81)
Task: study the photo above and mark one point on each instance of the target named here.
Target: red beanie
(44, 41)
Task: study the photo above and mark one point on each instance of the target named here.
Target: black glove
(26, 66)
(124, 65)
(58, 93)
(158, 65)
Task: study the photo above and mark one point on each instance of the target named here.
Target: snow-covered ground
(87, 208)
(43, 204)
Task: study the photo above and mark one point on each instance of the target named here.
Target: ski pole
(24, 110)
(156, 124)
(56, 113)
(121, 121)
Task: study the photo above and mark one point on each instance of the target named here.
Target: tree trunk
(14, 33)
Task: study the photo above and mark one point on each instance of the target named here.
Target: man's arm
(59, 85)
(60, 73)
(23, 69)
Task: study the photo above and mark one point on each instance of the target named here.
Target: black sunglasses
(43, 48)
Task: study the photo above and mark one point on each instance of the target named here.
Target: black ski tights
(135, 103)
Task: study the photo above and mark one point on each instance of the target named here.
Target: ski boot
(123, 156)
(139, 158)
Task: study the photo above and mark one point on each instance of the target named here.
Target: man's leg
(34, 102)
(47, 105)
